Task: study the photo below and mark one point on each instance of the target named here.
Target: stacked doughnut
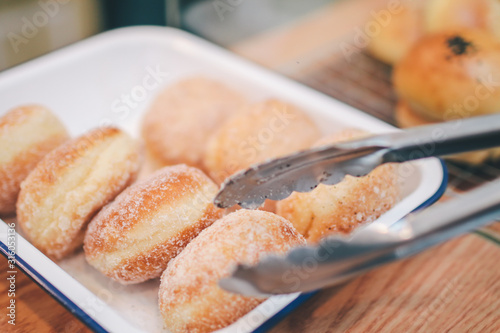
(182, 117)
(263, 130)
(190, 299)
(27, 134)
(132, 239)
(340, 208)
(71, 184)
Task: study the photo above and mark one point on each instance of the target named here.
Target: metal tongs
(338, 258)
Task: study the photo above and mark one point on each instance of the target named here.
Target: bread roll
(27, 134)
(396, 37)
(446, 15)
(451, 75)
(334, 209)
(190, 299)
(181, 119)
(132, 239)
(71, 184)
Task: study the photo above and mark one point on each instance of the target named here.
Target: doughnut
(133, 238)
(264, 130)
(190, 299)
(338, 209)
(406, 117)
(451, 75)
(444, 15)
(70, 184)
(181, 119)
(27, 133)
(395, 38)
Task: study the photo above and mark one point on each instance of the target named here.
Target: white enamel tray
(111, 78)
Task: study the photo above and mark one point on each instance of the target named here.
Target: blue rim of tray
(96, 327)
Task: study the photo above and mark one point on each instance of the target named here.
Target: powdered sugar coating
(340, 208)
(133, 238)
(71, 184)
(190, 299)
(27, 134)
(182, 118)
(265, 130)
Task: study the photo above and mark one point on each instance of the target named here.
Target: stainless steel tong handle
(441, 139)
(337, 258)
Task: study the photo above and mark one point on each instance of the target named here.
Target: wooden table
(454, 287)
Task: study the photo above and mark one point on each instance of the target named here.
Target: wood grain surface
(452, 288)
(36, 311)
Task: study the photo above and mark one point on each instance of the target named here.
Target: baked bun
(132, 239)
(264, 130)
(451, 75)
(27, 134)
(190, 299)
(406, 117)
(445, 15)
(181, 119)
(70, 184)
(333, 209)
(401, 31)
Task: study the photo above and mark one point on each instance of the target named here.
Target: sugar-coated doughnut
(71, 184)
(406, 117)
(451, 75)
(133, 238)
(190, 299)
(181, 119)
(339, 208)
(27, 134)
(264, 130)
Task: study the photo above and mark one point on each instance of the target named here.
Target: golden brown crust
(445, 15)
(396, 37)
(190, 299)
(406, 117)
(70, 184)
(27, 133)
(265, 130)
(451, 75)
(342, 207)
(133, 239)
(180, 121)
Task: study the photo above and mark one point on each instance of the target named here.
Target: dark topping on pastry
(459, 46)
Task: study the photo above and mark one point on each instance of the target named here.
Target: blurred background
(51, 24)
